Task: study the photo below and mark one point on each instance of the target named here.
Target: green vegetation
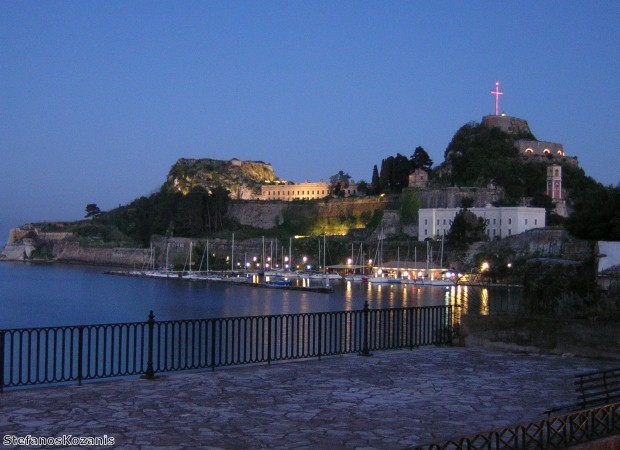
(170, 214)
(409, 206)
(478, 156)
(465, 229)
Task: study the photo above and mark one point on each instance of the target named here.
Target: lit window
(529, 151)
(547, 151)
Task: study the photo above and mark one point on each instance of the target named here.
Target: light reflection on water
(52, 295)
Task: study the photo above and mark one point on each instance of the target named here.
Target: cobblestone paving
(391, 400)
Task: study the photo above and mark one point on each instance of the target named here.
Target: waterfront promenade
(390, 400)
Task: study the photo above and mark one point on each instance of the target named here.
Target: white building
(500, 222)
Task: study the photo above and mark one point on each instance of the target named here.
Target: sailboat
(382, 278)
(443, 281)
(155, 273)
(357, 277)
(324, 275)
(234, 277)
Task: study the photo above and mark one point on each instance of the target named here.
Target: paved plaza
(390, 400)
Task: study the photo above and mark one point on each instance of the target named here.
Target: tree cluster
(171, 213)
(466, 228)
(395, 170)
(480, 155)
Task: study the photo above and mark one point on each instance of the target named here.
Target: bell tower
(554, 182)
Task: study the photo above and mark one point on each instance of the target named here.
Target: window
(493, 221)
(444, 221)
(509, 231)
(526, 221)
(509, 221)
(535, 221)
(437, 221)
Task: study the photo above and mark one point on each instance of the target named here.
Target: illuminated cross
(497, 93)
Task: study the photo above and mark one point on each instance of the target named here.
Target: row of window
(529, 151)
(287, 193)
(488, 221)
(488, 232)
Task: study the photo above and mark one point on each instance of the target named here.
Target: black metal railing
(555, 432)
(31, 356)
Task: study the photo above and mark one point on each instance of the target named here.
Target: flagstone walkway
(391, 400)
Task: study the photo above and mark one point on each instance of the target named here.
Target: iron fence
(32, 356)
(555, 432)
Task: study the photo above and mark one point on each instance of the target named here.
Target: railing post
(1, 361)
(366, 330)
(320, 336)
(450, 325)
(80, 354)
(150, 372)
(213, 322)
(268, 340)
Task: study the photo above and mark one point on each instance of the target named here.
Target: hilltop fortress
(529, 148)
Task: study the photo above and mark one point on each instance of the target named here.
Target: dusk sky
(98, 99)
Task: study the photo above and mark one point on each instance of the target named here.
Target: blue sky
(98, 99)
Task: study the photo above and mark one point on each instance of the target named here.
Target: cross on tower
(497, 93)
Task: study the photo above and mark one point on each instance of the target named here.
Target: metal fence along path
(33, 356)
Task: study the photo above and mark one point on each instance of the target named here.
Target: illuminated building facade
(500, 221)
(301, 191)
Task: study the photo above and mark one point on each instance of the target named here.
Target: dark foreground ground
(391, 400)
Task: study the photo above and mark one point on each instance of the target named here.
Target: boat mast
(441, 257)
(190, 256)
(325, 265)
(167, 251)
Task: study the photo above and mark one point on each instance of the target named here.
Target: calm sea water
(36, 295)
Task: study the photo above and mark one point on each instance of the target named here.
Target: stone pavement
(391, 400)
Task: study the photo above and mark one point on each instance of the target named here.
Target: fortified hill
(543, 151)
(242, 178)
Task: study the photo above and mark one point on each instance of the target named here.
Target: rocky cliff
(241, 178)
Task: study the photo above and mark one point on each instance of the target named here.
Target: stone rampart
(587, 338)
(258, 214)
(71, 252)
(546, 243)
(452, 197)
(266, 214)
